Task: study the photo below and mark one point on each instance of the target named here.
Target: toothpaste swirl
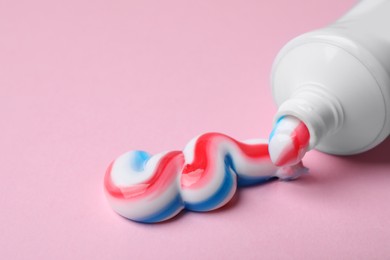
(202, 177)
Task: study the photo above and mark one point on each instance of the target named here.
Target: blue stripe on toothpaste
(138, 160)
(275, 127)
(220, 195)
(164, 213)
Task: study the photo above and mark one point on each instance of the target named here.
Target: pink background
(81, 82)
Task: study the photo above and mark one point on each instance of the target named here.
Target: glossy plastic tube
(337, 80)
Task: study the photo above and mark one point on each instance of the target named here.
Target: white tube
(337, 80)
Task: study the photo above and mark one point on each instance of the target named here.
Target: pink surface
(82, 82)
